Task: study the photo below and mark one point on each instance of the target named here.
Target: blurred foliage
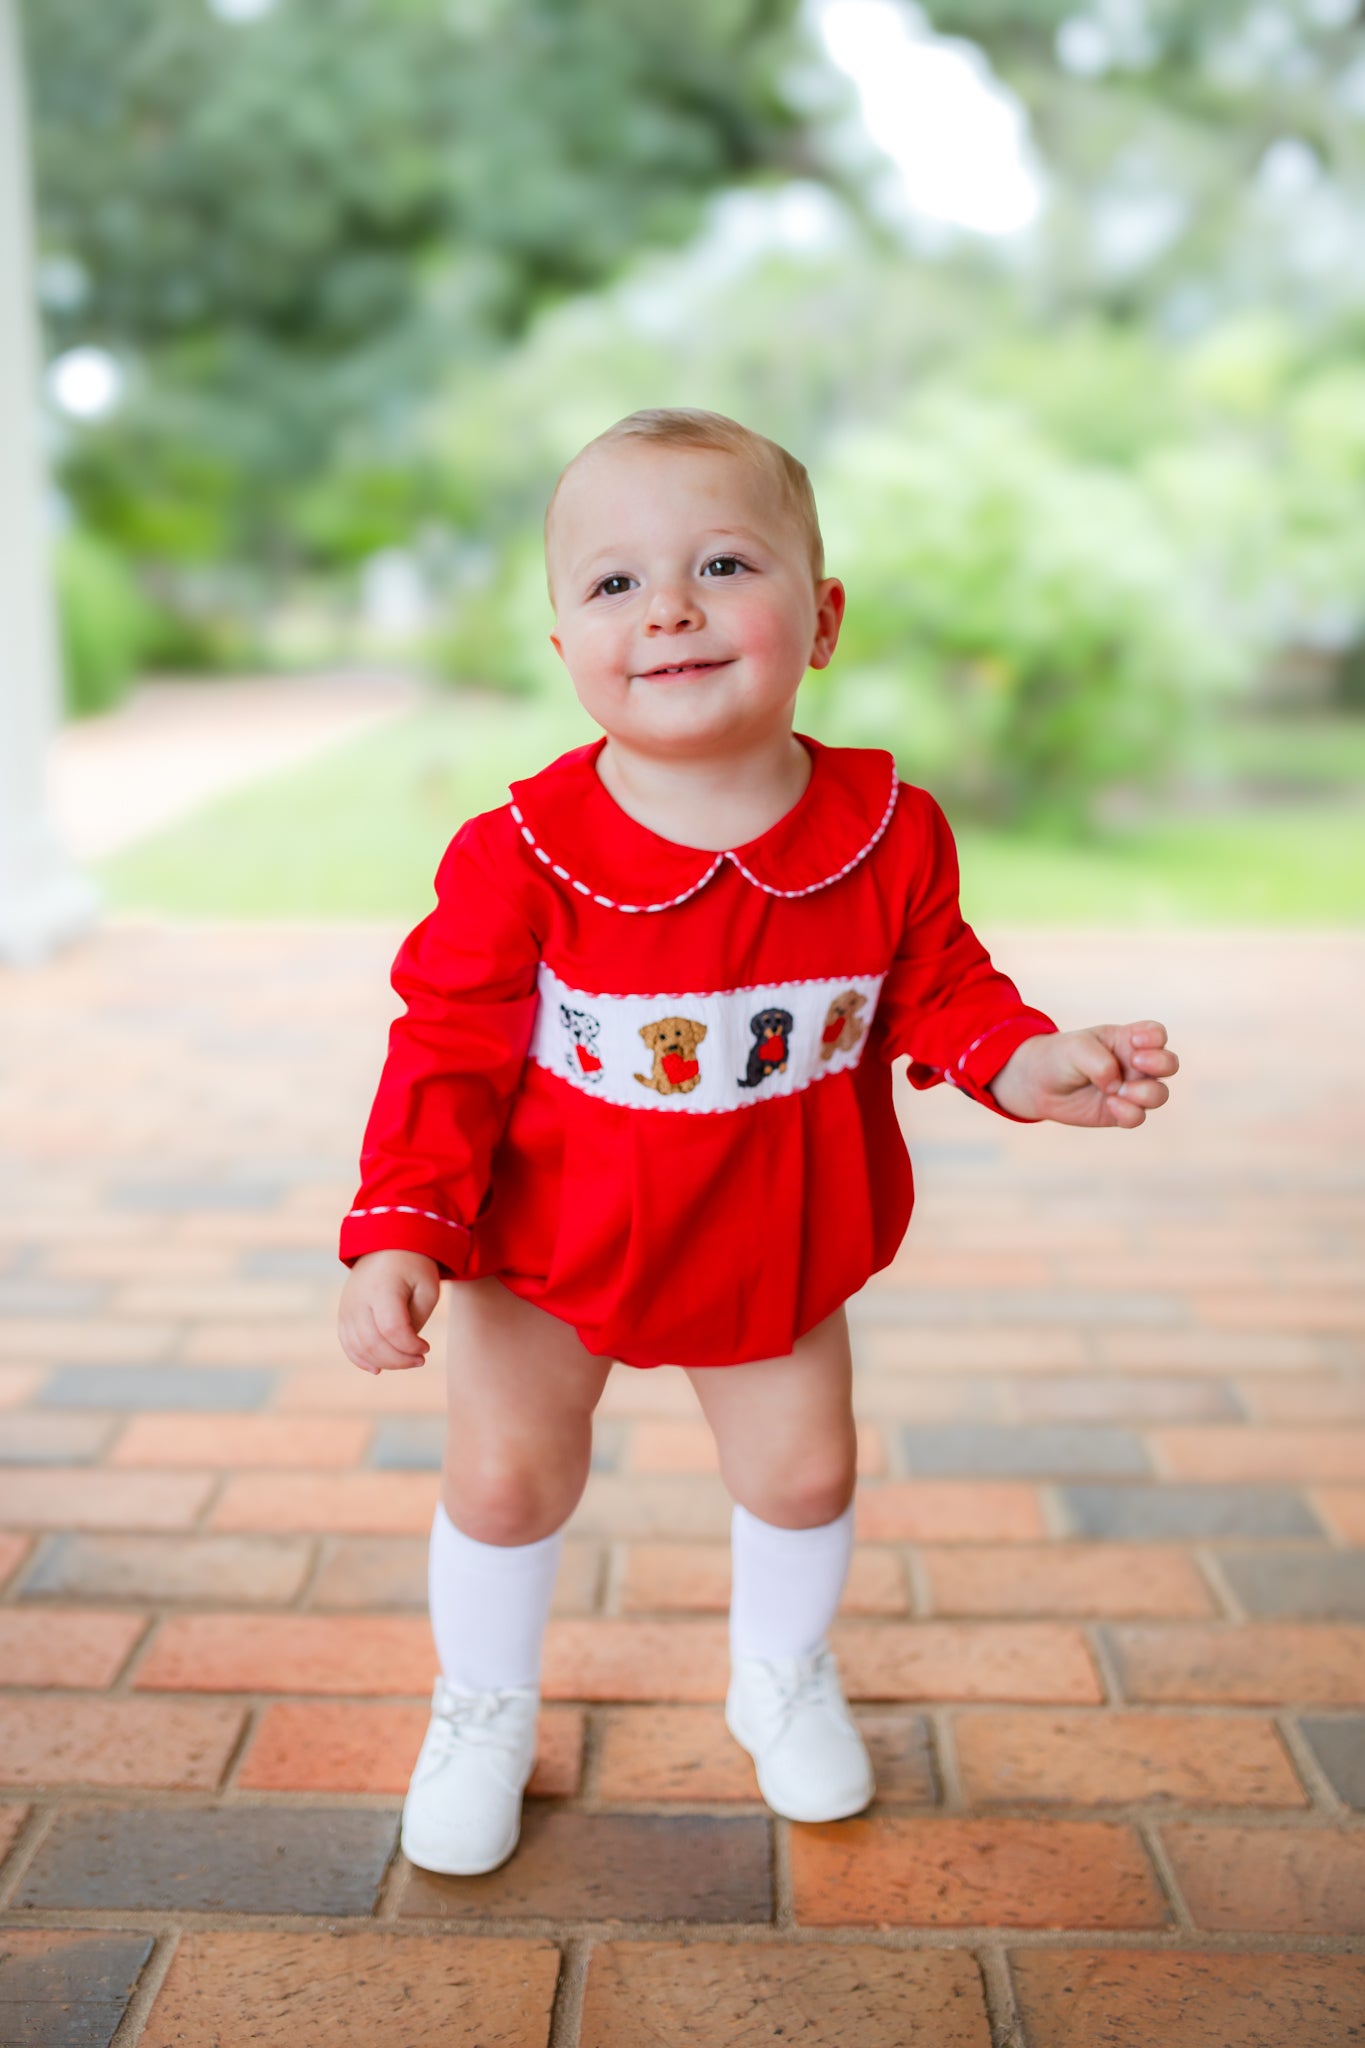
(1021, 627)
(375, 268)
(289, 225)
(1204, 156)
(104, 622)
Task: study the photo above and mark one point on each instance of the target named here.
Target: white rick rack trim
(950, 1074)
(609, 903)
(704, 1051)
(406, 1209)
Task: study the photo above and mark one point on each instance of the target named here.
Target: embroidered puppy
(582, 1054)
(673, 1042)
(843, 1027)
(768, 1053)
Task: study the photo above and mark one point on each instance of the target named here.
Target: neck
(709, 803)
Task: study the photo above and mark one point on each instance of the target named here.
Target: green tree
(287, 225)
(1203, 156)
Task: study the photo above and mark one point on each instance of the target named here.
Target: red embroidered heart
(831, 1031)
(677, 1068)
(773, 1048)
(588, 1061)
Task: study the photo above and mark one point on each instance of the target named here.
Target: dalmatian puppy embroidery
(768, 1053)
(582, 1055)
(843, 1027)
(673, 1042)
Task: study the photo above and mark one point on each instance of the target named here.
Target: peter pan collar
(576, 828)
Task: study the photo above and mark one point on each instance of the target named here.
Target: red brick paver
(1290, 1881)
(279, 1990)
(748, 1997)
(200, 1440)
(1112, 1710)
(1110, 1998)
(54, 1739)
(1117, 1759)
(55, 1646)
(1101, 1579)
(966, 1873)
(1259, 1663)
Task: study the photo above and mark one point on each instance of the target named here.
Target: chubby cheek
(595, 662)
(779, 639)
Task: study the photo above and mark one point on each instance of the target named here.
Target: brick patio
(1105, 1629)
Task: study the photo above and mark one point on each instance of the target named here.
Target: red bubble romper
(649, 1087)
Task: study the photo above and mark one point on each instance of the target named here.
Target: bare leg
(784, 1428)
(521, 1390)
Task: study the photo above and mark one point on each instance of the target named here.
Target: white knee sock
(785, 1583)
(489, 1606)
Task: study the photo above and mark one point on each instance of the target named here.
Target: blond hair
(686, 426)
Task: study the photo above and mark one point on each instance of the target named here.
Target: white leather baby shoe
(462, 1813)
(791, 1716)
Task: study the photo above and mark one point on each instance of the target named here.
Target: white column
(43, 900)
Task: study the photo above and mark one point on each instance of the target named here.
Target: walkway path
(1106, 1626)
(174, 745)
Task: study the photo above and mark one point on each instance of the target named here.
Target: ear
(700, 1030)
(830, 599)
(649, 1033)
(554, 642)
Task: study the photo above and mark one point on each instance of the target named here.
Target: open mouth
(681, 668)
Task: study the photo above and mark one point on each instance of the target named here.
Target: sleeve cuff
(982, 1059)
(397, 1227)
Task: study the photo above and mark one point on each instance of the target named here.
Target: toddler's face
(685, 608)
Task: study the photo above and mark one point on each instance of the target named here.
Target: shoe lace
(797, 1682)
(478, 1720)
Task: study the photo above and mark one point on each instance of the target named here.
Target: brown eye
(724, 565)
(612, 586)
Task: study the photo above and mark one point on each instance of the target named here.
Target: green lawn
(358, 833)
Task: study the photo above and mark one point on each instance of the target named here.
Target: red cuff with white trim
(399, 1228)
(983, 1058)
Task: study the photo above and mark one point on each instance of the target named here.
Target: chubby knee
(803, 1494)
(504, 1500)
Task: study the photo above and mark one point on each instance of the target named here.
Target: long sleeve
(943, 1002)
(467, 976)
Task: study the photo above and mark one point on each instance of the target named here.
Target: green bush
(103, 623)
(498, 632)
(184, 642)
(1021, 631)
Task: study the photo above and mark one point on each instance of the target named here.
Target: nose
(671, 610)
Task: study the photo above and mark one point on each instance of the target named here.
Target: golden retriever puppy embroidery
(843, 1027)
(673, 1042)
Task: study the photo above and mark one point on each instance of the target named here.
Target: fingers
(425, 1295)
(393, 1342)
(1127, 1106)
(1148, 1048)
(1146, 1094)
(383, 1341)
(1091, 1056)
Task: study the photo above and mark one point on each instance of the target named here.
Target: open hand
(1110, 1075)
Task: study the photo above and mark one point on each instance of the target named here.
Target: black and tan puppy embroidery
(768, 1053)
(673, 1042)
(843, 1027)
